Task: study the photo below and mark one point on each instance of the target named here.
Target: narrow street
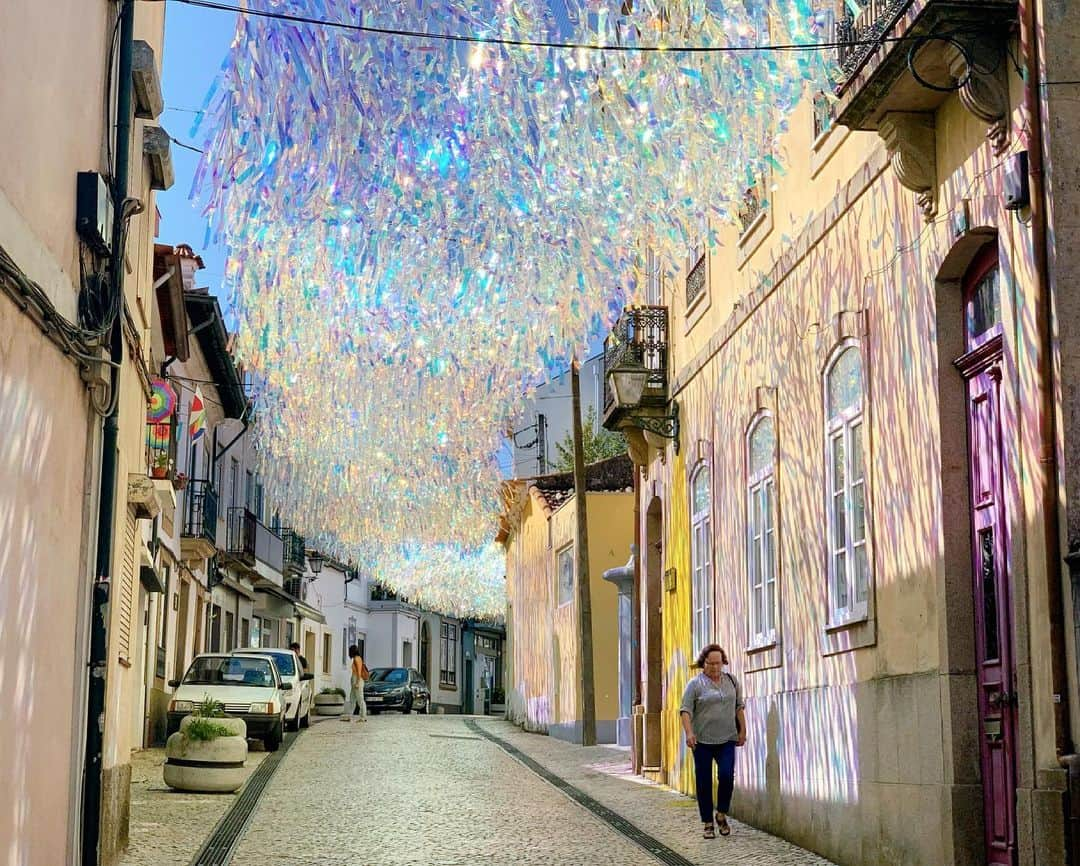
(436, 790)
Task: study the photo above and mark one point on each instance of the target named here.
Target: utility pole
(584, 597)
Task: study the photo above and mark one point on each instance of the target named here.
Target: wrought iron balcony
(695, 281)
(639, 339)
(251, 542)
(200, 510)
(292, 543)
(161, 444)
(901, 59)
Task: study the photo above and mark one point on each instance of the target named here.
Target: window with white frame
(701, 557)
(845, 487)
(566, 574)
(761, 530)
(448, 642)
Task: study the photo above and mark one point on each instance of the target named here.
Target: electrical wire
(528, 43)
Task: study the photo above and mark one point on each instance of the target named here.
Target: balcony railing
(857, 35)
(292, 543)
(161, 439)
(695, 281)
(249, 539)
(640, 338)
(755, 200)
(823, 114)
(200, 511)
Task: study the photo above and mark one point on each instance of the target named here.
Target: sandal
(721, 822)
(710, 832)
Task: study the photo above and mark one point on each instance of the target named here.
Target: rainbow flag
(197, 416)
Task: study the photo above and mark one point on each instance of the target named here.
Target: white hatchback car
(299, 699)
(248, 688)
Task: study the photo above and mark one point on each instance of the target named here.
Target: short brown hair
(704, 654)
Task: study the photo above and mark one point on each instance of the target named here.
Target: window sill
(852, 634)
(754, 236)
(696, 311)
(765, 656)
(448, 687)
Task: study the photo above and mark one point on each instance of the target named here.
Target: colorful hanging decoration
(162, 400)
(197, 416)
(419, 232)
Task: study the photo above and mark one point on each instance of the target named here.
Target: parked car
(397, 689)
(249, 688)
(299, 700)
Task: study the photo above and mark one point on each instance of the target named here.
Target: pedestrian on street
(295, 647)
(715, 724)
(359, 674)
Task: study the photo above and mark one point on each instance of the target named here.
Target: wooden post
(584, 597)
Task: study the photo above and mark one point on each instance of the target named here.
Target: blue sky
(196, 42)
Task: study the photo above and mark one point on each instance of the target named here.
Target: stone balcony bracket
(983, 89)
(930, 49)
(909, 138)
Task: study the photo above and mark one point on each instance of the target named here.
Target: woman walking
(714, 723)
(358, 674)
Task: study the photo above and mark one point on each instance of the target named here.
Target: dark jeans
(704, 755)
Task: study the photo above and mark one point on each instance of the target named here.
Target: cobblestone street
(432, 790)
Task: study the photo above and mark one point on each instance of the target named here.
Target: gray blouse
(712, 708)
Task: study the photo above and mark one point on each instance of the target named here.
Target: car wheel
(305, 722)
(272, 741)
(406, 707)
(427, 706)
(373, 712)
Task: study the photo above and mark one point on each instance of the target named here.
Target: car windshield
(285, 661)
(389, 675)
(231, 671)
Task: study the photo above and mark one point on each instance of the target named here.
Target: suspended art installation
(418, 231)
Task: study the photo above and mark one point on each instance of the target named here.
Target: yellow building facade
(539, 528)
(859, 504)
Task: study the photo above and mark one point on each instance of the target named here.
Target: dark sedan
(397, 689)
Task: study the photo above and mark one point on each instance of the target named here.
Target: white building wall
(553, 401)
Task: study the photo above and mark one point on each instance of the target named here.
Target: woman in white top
(715, 724)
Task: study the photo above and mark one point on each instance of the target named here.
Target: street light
(628, 382)
(315, 562)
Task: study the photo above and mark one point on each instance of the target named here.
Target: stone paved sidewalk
(167, 826)
(604, 773)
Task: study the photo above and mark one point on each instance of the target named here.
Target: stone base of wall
(159, 717)
(606, 731)
(115, 813)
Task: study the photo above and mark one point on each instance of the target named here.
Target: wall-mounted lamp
(628, 381)
(315, 562)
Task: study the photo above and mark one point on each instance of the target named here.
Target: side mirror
(304, 678)
(174, 684)
(286, 687)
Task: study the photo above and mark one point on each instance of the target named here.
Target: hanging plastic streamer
(419, 231)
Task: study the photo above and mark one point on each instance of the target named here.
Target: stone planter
(214, 766)
(329, 705)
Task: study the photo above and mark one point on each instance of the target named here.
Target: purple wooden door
(981, 367)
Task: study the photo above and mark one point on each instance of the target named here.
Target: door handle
(1003, 698)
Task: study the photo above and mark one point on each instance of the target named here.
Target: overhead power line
(527, 43)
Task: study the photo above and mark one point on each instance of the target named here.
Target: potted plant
(159, 464)
(180, 481)
(330, 702)
(208, 752)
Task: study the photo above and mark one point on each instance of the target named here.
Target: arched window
(845, 487)
(701, 557)
(761, 557)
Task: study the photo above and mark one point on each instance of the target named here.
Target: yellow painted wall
(543, 676)
(847, 748)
